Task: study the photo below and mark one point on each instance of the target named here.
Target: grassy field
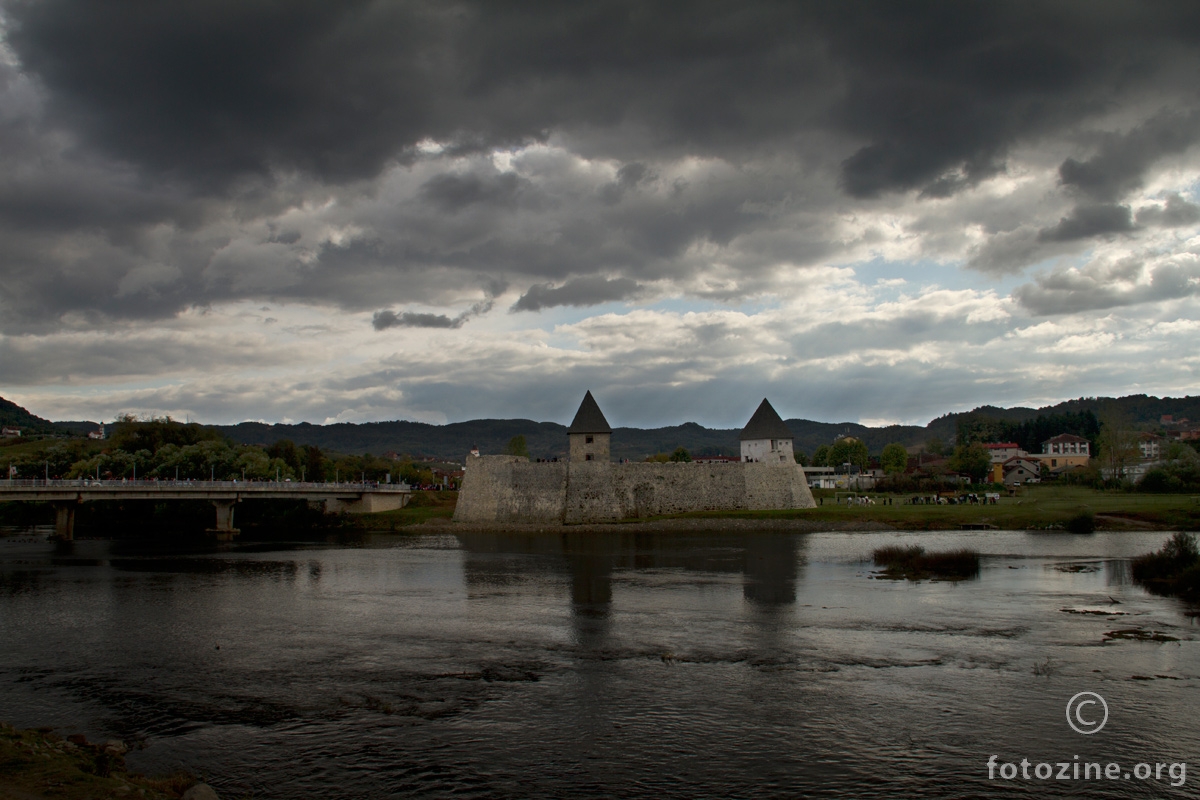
(1037, 507)
(1043, 506)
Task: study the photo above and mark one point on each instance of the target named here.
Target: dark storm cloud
(454, 192)
(1175, 213)
(579, 292)
(1087, 221)
(1100, 286)
(382, 320)
(212, 90)
(143, 165)
(1122, 159)
(942, 90)
(215, 89)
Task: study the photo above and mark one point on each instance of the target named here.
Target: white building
(1003, 451)
(766, 439)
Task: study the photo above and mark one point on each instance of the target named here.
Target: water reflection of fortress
(589, 488)
(767, 562)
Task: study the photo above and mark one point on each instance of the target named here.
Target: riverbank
(40, 765)
(1044, 507)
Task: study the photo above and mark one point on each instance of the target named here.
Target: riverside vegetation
(1174, 569)
(914, 563)
(1073, 509)
(37, 764)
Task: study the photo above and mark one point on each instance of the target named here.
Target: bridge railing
(174, 485)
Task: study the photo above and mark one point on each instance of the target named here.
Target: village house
(1017, 470)
(1151, 447)
(1003, 451)
(1064, 452)
(8, 432)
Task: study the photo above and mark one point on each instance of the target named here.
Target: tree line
(165, 449)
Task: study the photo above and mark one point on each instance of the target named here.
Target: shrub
(914, 563)
(961, 563)
(1172, 569)
(896, 555)
(1083, 522)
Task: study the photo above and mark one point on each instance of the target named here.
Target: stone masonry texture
(511, 489)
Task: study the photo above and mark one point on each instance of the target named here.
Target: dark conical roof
(589, 418)
(765, 424)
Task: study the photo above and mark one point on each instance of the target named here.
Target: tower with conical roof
(766, 439)
(589, 432)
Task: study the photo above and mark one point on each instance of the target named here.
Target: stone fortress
(588, 487)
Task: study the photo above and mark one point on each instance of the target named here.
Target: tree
(681, 455)
(894, 458)
(314, 463)
(972, 459)
(848, 450)
(517, 446)
(800, 457)
(286, 450)
(1117, 445)
(935, 446)
(821, 456)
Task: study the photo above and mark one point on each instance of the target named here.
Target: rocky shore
(41, 765)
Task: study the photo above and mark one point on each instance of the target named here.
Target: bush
(1083, 522)
(896, 555)
(914, 563)
(1174, 569)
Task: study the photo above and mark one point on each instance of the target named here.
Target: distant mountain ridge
(549, 439)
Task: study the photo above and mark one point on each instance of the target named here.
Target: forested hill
(548, 439)
(13, 415)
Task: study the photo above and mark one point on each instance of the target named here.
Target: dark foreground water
(630, 665)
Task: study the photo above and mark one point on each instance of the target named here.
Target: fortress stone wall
(511, 489)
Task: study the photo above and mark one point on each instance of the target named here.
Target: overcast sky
(352, 211)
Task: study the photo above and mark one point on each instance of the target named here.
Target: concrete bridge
(66, 495)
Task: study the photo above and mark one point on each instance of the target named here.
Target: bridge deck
(65, 495)
(81, 490)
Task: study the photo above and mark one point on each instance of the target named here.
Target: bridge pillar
(64, 521)
(224, 530)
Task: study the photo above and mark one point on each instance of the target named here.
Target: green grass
(423, 507)
(1038, 507)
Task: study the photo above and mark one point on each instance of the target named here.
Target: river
(597, 665)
